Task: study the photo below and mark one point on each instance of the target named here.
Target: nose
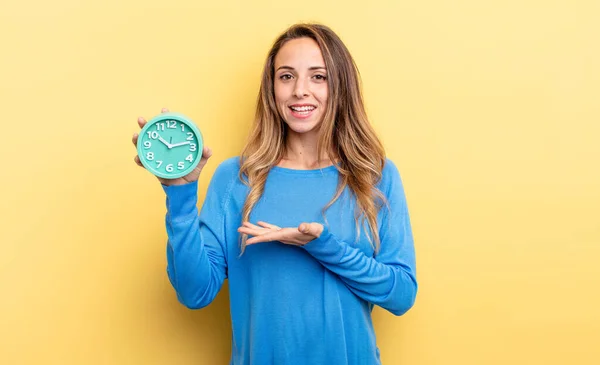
(300, 88)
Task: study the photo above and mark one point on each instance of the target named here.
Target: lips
(302, 111)
(302, 107)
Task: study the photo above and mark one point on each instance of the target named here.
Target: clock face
(170, 145)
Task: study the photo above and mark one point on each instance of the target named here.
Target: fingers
(141, 122)
(267, 232)
(260, 234)
(256, 235)
(263, 226)
(136, 158)
(250, 225)
(268, 225)
(206, 153)
(266, 237)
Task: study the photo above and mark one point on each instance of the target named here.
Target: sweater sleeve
(196, 260)
(389, 278)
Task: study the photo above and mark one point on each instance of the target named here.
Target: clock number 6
(169, 167)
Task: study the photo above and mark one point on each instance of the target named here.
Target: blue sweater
(292, 305)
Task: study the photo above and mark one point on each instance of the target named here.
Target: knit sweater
(292, 305)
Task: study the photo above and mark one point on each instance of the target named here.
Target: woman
(310, 224)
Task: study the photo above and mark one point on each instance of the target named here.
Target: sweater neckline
(323, 170)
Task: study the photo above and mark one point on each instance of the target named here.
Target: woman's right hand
(191, 177)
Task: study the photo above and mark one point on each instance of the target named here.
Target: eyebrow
(310, 68)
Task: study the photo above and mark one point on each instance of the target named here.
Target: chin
(302, 127)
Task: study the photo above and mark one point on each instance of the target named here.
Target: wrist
(175, 182)
(181, 200)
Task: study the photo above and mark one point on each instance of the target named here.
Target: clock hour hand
(180, 144)
(165, 142)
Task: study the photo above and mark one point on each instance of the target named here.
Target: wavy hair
(345, 133)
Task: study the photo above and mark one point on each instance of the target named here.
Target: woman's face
(300, 83)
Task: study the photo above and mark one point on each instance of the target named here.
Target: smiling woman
(300, 85)
(309, 224)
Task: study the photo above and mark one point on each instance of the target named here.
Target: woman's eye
(320, 77)
(285, 77)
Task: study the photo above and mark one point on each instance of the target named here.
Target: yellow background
(489, 108)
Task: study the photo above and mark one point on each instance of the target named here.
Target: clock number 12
(171, 124)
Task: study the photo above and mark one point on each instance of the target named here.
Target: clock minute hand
(180, 144)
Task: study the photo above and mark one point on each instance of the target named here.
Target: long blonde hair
(345, 133)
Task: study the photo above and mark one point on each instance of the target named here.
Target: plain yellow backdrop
(489, 108)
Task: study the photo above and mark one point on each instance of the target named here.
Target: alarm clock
(170, 145)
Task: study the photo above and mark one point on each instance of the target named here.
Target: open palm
(266, 232)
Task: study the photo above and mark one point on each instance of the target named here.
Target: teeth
(303, 108)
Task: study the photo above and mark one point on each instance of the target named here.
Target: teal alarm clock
(170, 145)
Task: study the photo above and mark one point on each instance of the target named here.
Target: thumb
(313, 229)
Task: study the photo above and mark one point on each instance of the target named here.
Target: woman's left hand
(297, 236)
